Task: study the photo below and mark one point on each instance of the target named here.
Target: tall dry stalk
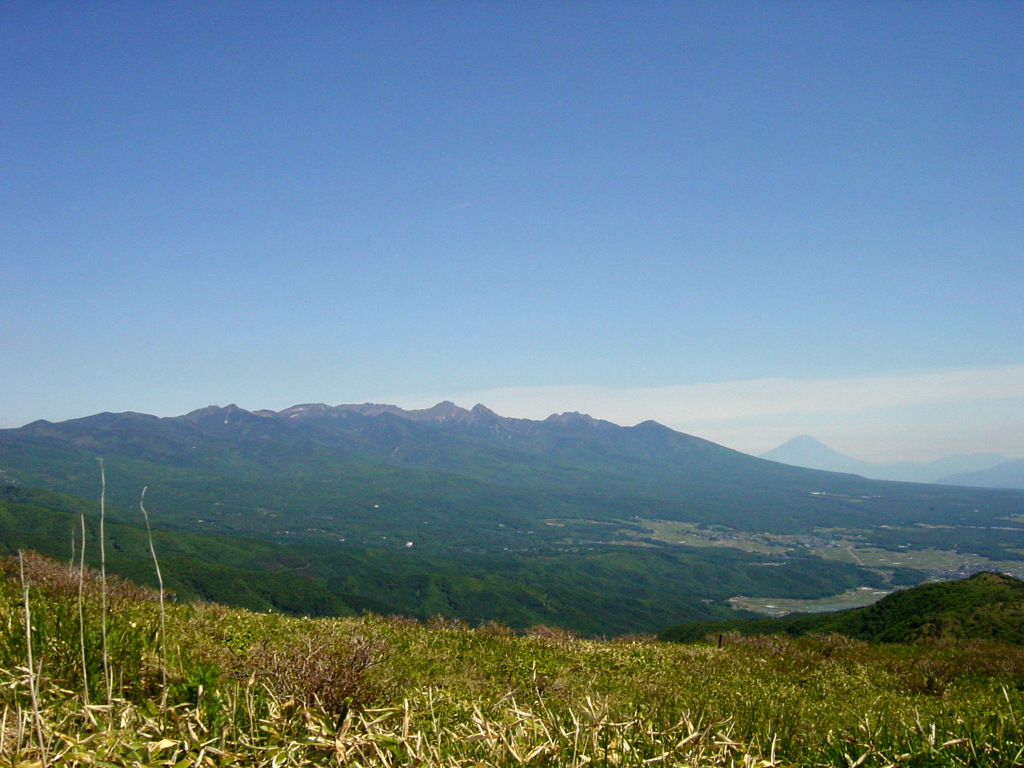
(160, 585)
(31, 664)
(107, 675)
(81, 614)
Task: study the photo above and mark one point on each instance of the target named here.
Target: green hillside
(204, 685)
(986, 606)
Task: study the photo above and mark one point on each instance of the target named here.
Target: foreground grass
(264, 690)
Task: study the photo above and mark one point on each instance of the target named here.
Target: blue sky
(747, 221)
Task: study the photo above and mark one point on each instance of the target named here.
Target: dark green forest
(602, 590)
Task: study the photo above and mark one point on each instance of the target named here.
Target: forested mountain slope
(986, 606)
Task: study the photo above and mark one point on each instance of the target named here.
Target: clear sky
(746, 220)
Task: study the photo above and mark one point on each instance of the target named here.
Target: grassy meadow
(222, 686)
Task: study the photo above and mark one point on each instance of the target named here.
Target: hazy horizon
(745, 221)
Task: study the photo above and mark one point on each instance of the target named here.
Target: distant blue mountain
(805, 451)
(1009, 474)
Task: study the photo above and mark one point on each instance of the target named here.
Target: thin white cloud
(760, 397)
(758, 414)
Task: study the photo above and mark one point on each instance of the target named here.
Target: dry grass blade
(81, 614)
(160, 586)
(108, 675)
(32, 681)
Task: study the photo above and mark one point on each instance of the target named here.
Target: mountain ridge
(586, 463)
